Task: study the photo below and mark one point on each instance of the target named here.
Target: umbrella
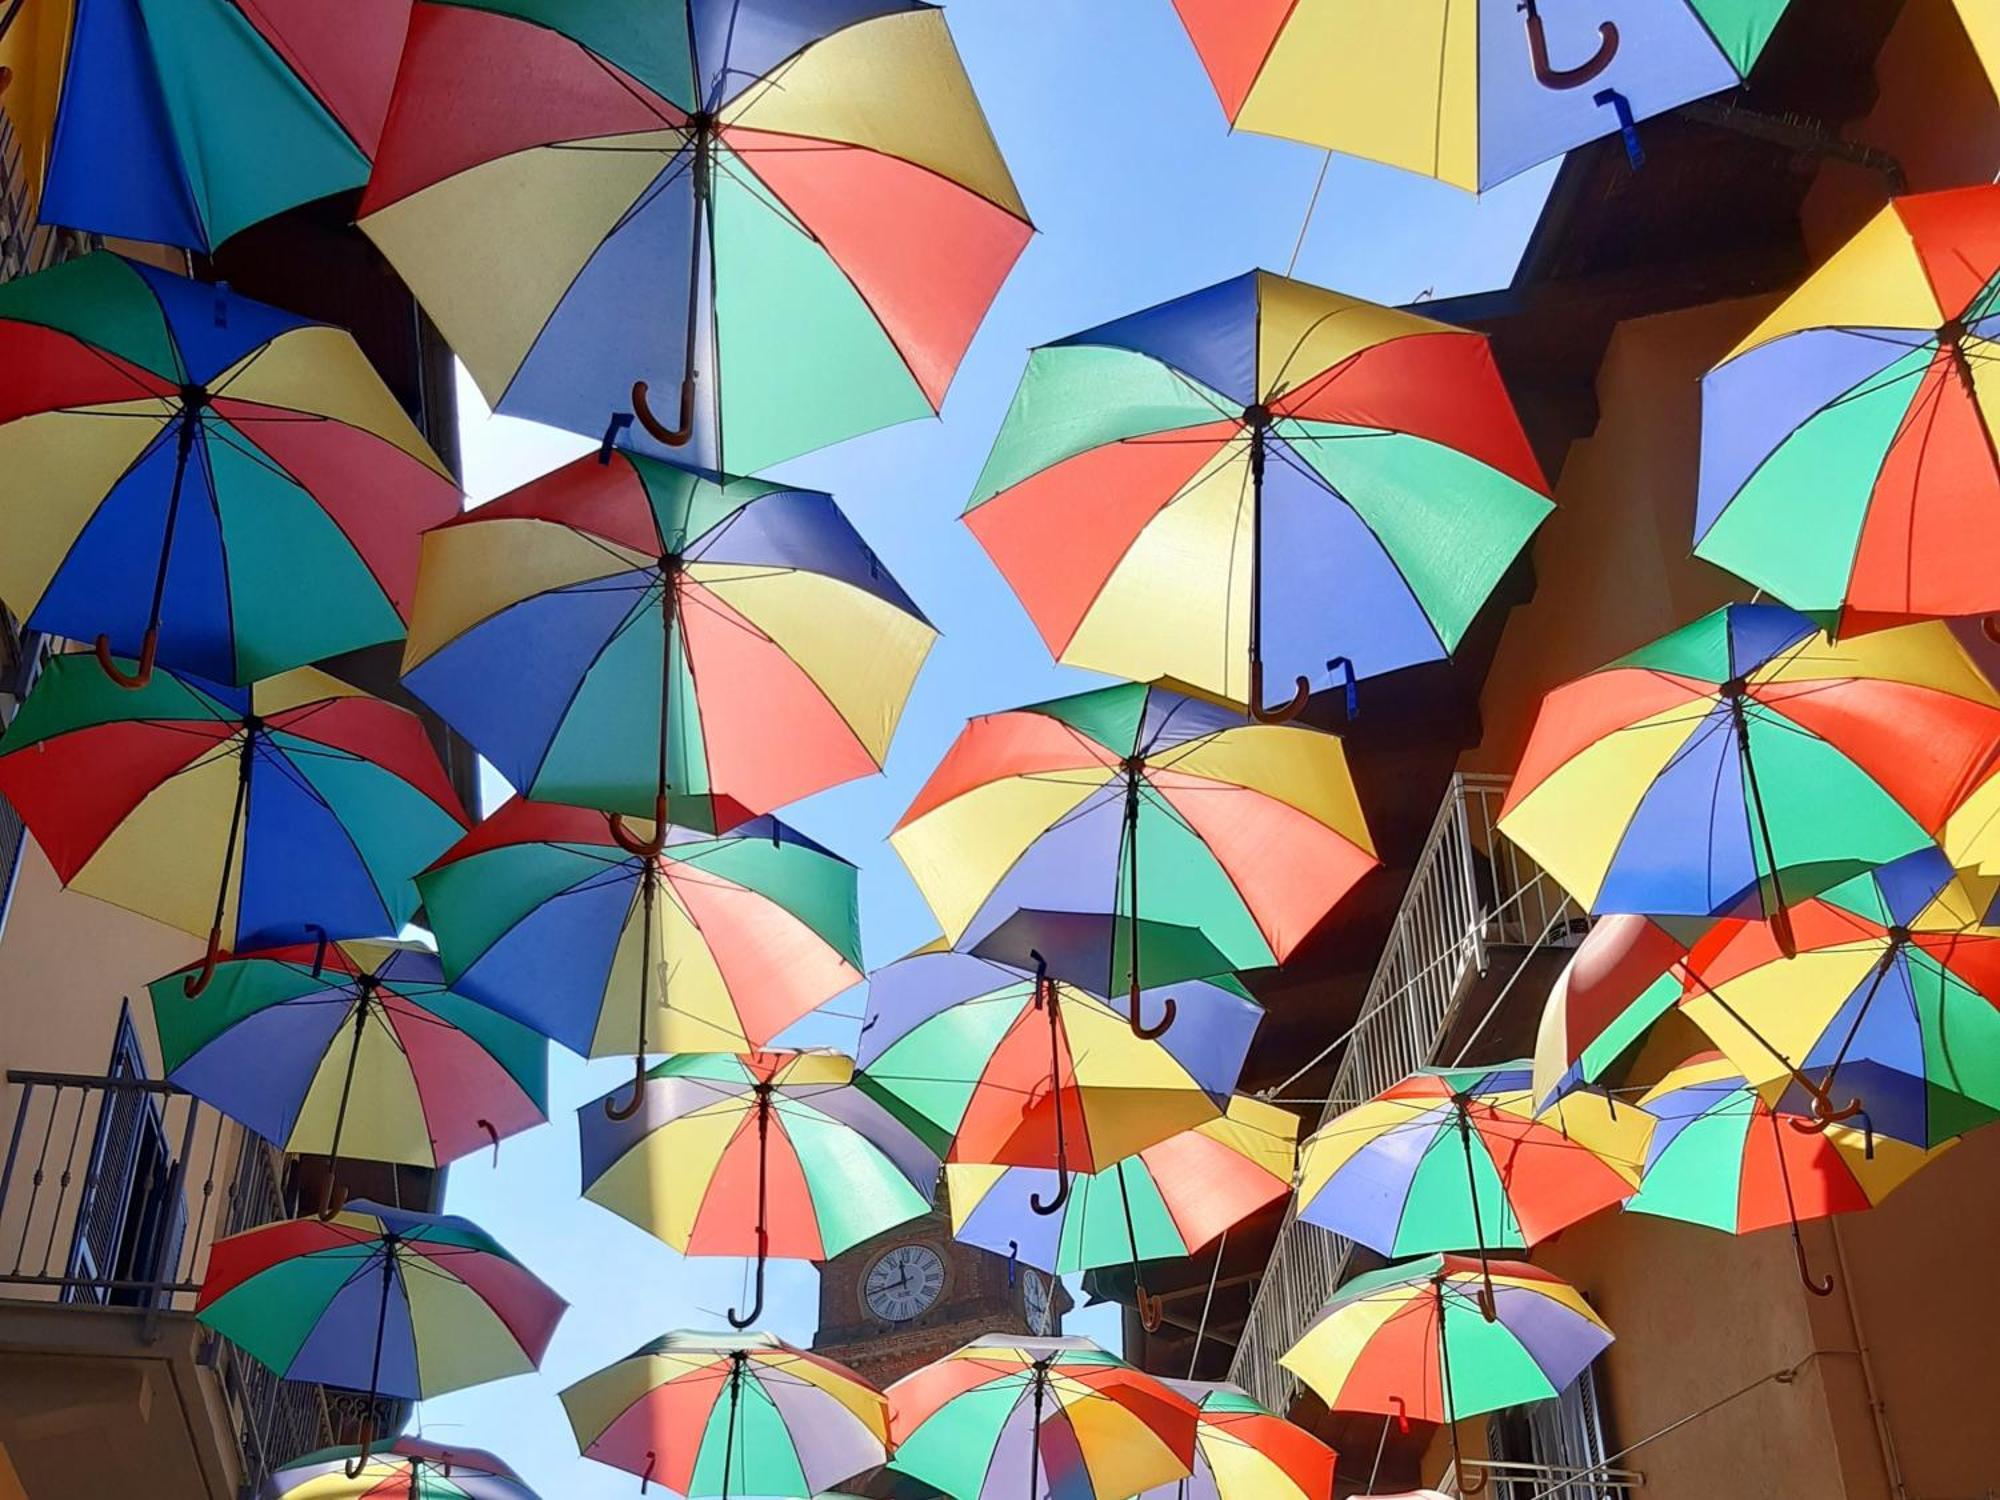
(1622, 978)
(1243, 1452)
(575, 586)
(200, 478)
(1136, 837)
(775, 1153)
(378, 1299)
(295, 809)
(1167, 1202)
(810, 187)
(183, 121)
(714, 944)
(1259, 469)
(1459, 1159)
(1058, 1417)
(1747, 761)
(1470, 94)
(356, 1049)
(1848, 461)
(743, 1415)
(1982, 27)
(993, 1064)
(407, 1469)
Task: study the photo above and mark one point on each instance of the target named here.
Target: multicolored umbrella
(1621, 979)
(1848, 459)
(198, 478)
(792, 214)
(1059, 1418)
(183, 121)
(714, 944)
(618, 582)
(1135, 837)
(776, 1153)
(1243, 1452)
(354, 1049)
(1470, 93)
(1982, 28)
(295, 809)
(729, 1415)
(1746, 761)
(1258, 471)
(378, 1299)
(407, 1469)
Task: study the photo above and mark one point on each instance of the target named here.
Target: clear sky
(1140, 193)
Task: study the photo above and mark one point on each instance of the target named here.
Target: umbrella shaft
(183, 450)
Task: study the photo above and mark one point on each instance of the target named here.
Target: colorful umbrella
(1622, 978)
(775, 1153)
(357, 1049)
(1058, 1417)
(1243, 1452)
(618, 582)
(1982, 28)
(730, 1415)
(295, 809)
(1848, 460)
(1470, 93)
(378, 1299)
(1136, 837)
(200, 478)
(714, 944)
(1746, 760)
(1258, 470)
(407, 1469)
(183, 121)
(798, 196)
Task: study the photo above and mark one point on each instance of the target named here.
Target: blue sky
(1140, 193)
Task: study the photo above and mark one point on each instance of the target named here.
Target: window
(1557, 1437)
(131, 1220)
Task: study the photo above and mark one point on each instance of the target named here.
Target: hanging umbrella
(355, 1049)
(407, 1469)
(201, 479)
(1621, 979)
(1135, 837)
(1058, 1418)
(384, 1300)
(1746, 761)
(295, 809)
(183, 121)
(1243, 1452)
(810, 188)
(1982, 28)
(1167, 1202)
(1470, 93)
(1848, 462)
(774, 608)
(775, 1153)
(1259, 470)
(713, 944)
(729, 1415)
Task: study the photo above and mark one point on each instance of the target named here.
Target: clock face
(904, 1284)
(1035, 1302)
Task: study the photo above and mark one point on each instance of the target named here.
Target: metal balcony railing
(1511, 1480)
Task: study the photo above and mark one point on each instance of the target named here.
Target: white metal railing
(1512, 1480)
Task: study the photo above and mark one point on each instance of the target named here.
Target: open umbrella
(1469, 91)
(776, 1153)
(1261, 470)
(729, 1415)
(1621, 979)
(295, 809)
(1058, 1419)
(655, 623)
(407, 1469)
(1848, 460)
(1135, 837)
(789, 216)
(199, 478)
(1243, 1452)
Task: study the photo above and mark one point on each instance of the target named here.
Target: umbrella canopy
(355, 1049)
(280, 813)
(1848, 460)
(183, 121)
(201, 478)
(622, 583)
(775, 1153)
(1261, 471)
(1136, 837)
(1982, 26)
(1469, 93)
(735, 1416)
(407, 1469)
(800, 196)
(1243, 1452)
(1057, 1418)
(1748, 761)
(1619, 981)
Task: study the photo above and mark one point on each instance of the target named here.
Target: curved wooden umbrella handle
(195, 983)
(333, 1199)
(673, 437)
(1150, 1307)
(646, 1478)
(1550, 77)
(149, 648)
(630, 842)
(757, 1305)
(1054, 1205)
(1401, 1414)
(1467, 1485)
(1285, 713)
(356, 1464)
(1147, 1033)
(613, 1110)
(1820, 1286)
